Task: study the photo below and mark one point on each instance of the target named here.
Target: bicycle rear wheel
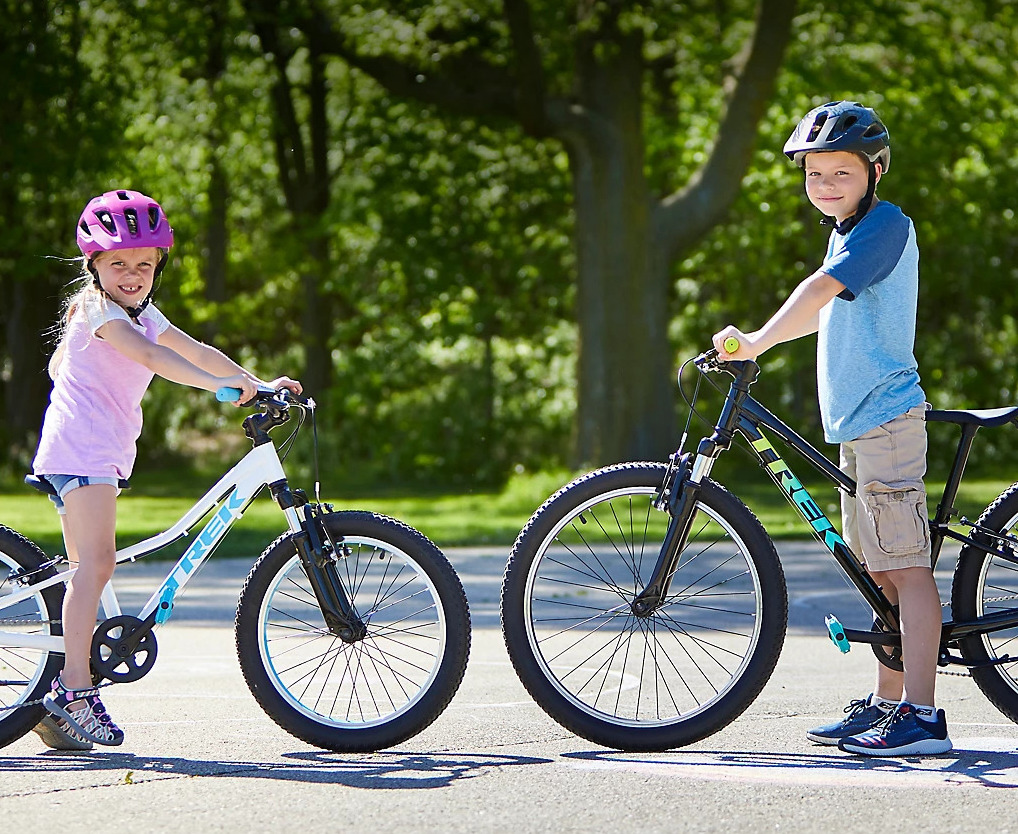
(983, 584)
(642, 683)
(378, 691)
(25, 673)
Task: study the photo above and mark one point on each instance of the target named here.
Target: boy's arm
(798, 316)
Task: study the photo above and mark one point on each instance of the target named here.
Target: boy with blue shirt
(862, 304)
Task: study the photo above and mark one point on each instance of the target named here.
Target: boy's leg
(921, 618)
(893, 535)
(889, 683)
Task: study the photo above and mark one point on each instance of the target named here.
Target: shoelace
(855, 707)
(893, 717)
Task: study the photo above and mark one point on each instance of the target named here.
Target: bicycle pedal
(837, 634)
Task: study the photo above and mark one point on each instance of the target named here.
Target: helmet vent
(123, 195)
(875, 129)
(131, 216)
(848, 121)
(817, 127)
(106, 219)
(153, 218)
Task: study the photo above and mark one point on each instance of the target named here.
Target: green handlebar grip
(731, 344)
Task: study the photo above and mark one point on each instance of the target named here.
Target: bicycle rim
(22, 669)
(997, 590)
(641, 672)
(370, 682)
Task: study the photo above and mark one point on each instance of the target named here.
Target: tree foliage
(457, 280)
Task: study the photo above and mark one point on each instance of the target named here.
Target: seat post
(945, 509)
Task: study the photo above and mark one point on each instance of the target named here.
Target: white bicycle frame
(232, 495)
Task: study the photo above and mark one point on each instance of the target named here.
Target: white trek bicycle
(352, 628)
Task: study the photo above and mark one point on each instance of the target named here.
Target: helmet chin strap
(133, 312)
(849, 223)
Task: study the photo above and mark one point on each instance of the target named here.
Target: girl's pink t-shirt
(94, 416)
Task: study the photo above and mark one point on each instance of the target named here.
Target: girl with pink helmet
(113, 341)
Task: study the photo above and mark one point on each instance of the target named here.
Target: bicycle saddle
(985, 417)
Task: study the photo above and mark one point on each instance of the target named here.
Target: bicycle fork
(318, 555)
(678, 497)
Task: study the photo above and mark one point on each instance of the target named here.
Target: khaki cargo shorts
(886, 522)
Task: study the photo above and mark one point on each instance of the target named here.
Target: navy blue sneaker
(902, 733)
(861, 717)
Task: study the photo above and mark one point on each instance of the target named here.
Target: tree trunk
(625, 404)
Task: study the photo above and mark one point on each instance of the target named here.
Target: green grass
(449, 519)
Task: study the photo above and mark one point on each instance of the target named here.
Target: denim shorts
(65, 483)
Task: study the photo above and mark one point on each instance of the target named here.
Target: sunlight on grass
(458, 519)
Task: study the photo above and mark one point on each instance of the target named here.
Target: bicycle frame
(230, 497)
(743, 415)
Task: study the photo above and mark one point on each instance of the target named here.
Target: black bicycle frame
(743, 415)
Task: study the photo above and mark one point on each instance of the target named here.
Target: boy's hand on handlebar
(732, 344)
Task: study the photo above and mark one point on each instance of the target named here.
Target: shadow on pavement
(373, 771)
(986, 768)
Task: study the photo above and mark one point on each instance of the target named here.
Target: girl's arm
(798, 316)
(214, 360)
(174, 366)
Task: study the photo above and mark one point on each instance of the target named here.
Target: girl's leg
(90, 535)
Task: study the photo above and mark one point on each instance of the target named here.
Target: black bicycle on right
(644, 606)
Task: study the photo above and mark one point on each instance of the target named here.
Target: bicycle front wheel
(25, 673)
(983, 584)
(640, 683)
(380, 690)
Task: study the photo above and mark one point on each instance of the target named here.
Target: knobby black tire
(25, 674)
(631, 683)
(379, 691)
(985, 583)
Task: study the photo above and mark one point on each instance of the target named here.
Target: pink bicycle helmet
(122, 220)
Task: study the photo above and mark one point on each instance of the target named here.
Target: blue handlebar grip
(837, 633)
(228, 395)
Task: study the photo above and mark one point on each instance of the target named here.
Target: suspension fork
(682, 487)
(318, 556)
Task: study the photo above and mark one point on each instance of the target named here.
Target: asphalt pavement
(200, 756)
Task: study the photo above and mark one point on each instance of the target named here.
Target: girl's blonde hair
(87, 292)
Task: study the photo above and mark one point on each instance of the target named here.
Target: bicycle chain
(4, 623)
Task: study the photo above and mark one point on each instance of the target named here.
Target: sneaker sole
(53, 736)
(830, 742)
(926, 747)
(58, 711)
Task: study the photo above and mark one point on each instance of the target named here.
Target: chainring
(112, 655)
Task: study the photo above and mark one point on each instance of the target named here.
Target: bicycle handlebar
(227, 394)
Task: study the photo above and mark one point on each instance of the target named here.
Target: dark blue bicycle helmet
(840, 126)
(843, 126)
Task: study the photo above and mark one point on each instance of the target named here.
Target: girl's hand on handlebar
(291, 385)
(247, 386)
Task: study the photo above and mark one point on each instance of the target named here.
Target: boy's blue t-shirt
(866, 371)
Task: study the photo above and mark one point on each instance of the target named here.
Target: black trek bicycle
(644, 606)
